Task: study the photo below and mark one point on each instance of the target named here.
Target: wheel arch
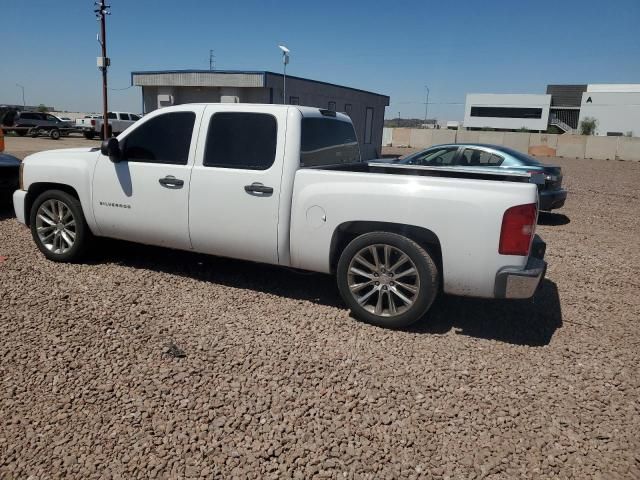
(35, 189)
(347, 231)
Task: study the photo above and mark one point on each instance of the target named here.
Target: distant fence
(542, 144)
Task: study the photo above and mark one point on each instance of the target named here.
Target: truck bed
(425, 171)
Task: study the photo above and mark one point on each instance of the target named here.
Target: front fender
(70, 169)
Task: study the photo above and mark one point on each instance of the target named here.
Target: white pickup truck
(285, 185)
(91, 125)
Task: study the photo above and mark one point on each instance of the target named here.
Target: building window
(506, 112)
(332, 106)
(241, 140)
(294, 100)
(347, 108)
(368, 125)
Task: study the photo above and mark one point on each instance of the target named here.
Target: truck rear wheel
(58, 226)
(89, 135)
(387, 279)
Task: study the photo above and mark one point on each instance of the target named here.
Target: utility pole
(426, 107)
(101, 11)
(212, 62)
(24, 105)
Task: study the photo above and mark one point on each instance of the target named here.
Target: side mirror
(111, 148)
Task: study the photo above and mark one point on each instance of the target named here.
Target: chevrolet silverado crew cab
(285, 185)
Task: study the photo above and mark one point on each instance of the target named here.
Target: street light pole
(24, 105)
(102, 11)
(426, 107)
(285, 61)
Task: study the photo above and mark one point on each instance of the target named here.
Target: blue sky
(392, 47)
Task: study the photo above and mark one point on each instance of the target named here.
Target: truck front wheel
(387, 279)
(58, 226)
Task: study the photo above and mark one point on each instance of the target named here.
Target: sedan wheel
(56, 226)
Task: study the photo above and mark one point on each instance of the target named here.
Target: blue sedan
(494, 157)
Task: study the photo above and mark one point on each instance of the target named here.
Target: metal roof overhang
(198, 79)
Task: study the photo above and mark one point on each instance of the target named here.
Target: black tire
(54, 134)
(89, 135)
(427, 277)
(34, 132)
(83, 235)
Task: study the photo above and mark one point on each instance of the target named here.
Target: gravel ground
(144, 362)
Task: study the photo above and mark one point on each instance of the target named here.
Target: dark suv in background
(42, 121)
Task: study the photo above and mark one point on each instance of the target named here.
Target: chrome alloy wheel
(56, 226)
(383, 280)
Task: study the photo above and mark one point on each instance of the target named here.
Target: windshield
(327, 141)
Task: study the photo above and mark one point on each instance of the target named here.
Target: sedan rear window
(522, 157)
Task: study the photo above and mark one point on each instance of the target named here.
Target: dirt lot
(23, 146)
(278, 381)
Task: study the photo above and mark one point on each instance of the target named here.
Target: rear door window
(327, 141)
(241, 140)
(124, 116)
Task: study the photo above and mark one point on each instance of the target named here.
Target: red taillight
(518, 227)
(93, 123)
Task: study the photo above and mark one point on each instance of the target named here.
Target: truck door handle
(257, 187)
(171, 182)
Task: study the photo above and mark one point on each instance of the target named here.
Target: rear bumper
(19, 197)
(552, 199)
(514, 282)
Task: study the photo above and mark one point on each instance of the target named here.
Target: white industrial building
(616, 108)
(507, 111)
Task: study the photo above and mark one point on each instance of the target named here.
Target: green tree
(43, 108)
(588, 126)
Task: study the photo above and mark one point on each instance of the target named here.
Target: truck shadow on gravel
(521, 322)
(6, 210)
(553, 219)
